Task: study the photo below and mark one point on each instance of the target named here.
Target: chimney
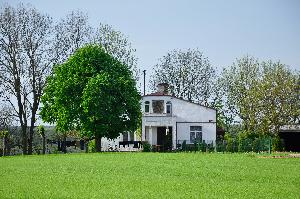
(163, 88)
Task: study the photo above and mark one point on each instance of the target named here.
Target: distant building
(168, 121)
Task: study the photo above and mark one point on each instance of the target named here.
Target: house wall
(208, 131)
(154, 135)
(184, 114)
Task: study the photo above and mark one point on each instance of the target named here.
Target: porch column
(150, 136)
(174, 137)
(143, 131)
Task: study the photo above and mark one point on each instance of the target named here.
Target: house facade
(168, 121)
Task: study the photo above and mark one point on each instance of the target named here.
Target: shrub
(229, 142)
(92, 146)
(277, 144)
(184, 146)
(146, 147)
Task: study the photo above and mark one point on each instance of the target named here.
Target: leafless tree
(188, 73)
(118, 45)
(71, 33)
(25, 62)
(30, 44)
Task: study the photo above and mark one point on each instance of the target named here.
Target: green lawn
(149, 175)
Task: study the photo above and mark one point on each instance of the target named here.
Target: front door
(164, 138)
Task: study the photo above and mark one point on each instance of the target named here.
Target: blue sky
(222, 30)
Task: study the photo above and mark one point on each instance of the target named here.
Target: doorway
(291, 140)
(164, 138)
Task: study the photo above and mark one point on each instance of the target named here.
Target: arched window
(147, 106)
(169, 107)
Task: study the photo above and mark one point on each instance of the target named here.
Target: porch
(161, 138)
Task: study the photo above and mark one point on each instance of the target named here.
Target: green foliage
(229, 142)
(147, 147)
(277, 144)
(41, 130)
(263, 95)
(4, 133)
(94, 93)
(92, 146)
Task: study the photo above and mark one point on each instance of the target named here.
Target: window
(195, 134)
(147, 106)
(158, 106)
(169, 107)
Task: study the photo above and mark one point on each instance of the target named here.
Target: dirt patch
(282, 156)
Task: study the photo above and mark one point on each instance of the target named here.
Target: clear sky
(222, 30)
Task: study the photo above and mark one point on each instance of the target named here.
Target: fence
(233, 145)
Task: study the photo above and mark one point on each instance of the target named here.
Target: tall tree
(94, 93)
(24, 63)
(237, 82)
(71, 33)
(279, 97)
(188, 73)
(117, 44)
(264, 96)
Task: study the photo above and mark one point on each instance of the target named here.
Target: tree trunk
(86, 144)
(44, 144)
(98, 143)
(24, 139)
(64, 146)
(31, 129)
(30, 140)
(4, 146)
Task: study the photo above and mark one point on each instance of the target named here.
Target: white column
(174, 136)
(143, 130)
(150, 136)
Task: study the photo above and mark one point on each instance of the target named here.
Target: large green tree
(94, 93)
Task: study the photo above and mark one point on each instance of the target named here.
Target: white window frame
(196, 130)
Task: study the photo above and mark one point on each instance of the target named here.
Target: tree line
(36, 50)
(31, 44)
(252, 97)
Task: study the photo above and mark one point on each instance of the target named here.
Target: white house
(167, 121)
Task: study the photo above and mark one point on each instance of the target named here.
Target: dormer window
(147, 106)
(169, 107)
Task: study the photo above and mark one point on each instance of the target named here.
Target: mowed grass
(149, 175)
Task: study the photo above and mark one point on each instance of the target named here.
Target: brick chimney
(163, 88)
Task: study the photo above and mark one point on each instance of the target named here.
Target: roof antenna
(144, 71)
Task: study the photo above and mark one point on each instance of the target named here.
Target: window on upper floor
(195, 134)
(147, 106)
(158, 106)
(169, 107)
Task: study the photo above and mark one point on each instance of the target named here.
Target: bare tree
(188, 73)
(25, 62)
(30, 44)
(71, 33)
(117, 44)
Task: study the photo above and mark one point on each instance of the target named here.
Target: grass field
(149, 175)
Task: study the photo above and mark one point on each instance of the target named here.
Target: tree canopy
(188, 73)
(94, 93)
(264, 96)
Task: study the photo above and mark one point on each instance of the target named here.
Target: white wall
(184, 114)
(208, 131)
